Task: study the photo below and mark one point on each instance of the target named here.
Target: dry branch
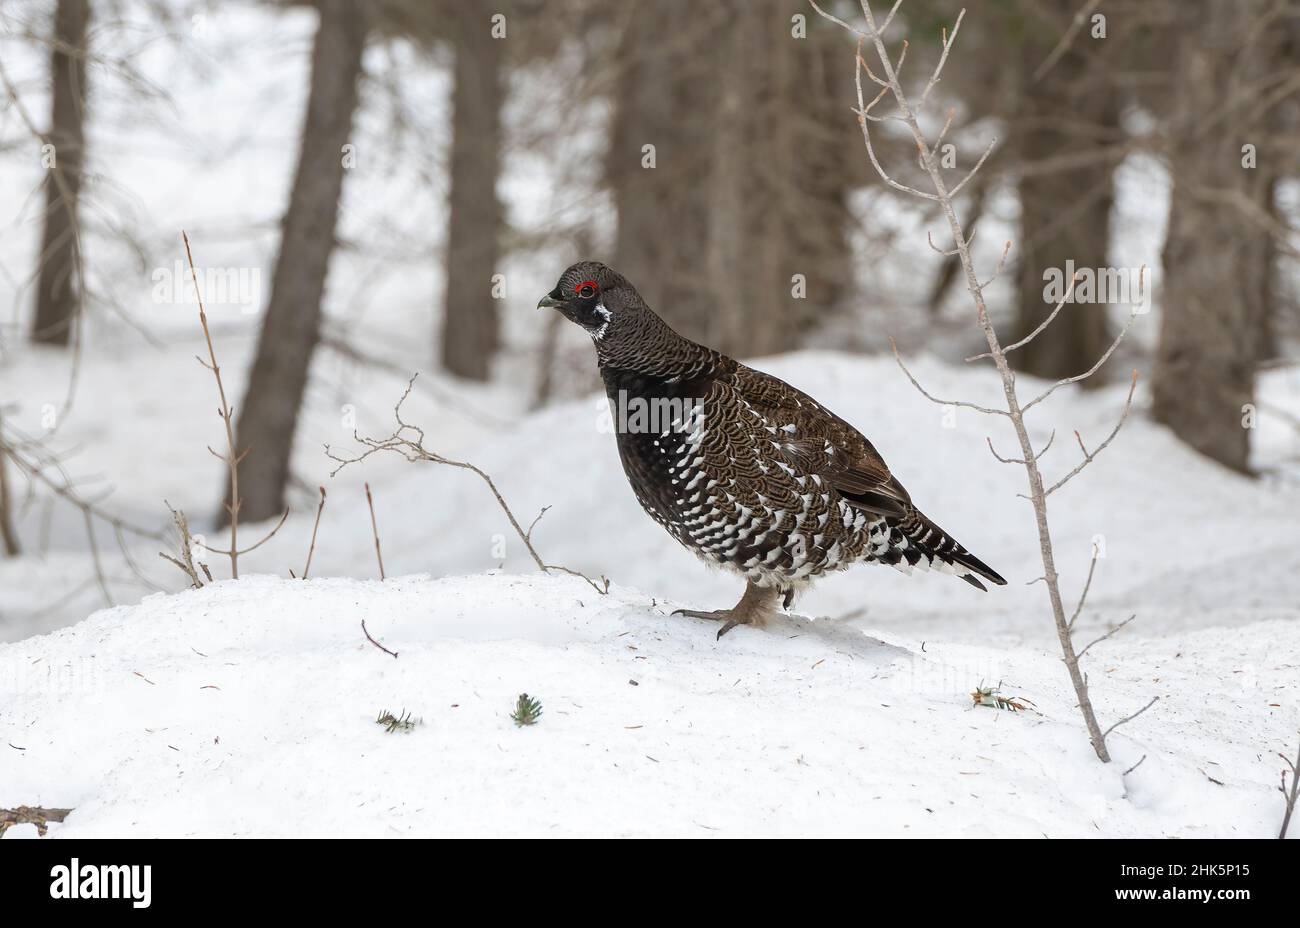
(1108, 634)
(231, 457)
(1087, 585)
(312, 549)
(8, 536)
(1015, 410)
(1290, 796)
(1063, 46)
(34, 462)
(265, 538)
(374, 528)
(1069, 291)
(186, 559)
(373, 641)
(408, 441)
(1089, 457)
(988, 411)
(1129, 718)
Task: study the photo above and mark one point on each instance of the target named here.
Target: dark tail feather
(934, 541)
(966, 559)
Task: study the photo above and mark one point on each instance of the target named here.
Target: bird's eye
(586, 289)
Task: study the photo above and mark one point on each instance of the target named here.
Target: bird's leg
(756, 606)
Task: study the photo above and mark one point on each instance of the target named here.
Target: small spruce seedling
(992, 698)
(400, 722)
(527, 710)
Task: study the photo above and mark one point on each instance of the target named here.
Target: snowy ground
(857, 723)
(248, 709)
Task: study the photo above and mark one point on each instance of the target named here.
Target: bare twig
(997, 271)
(1051, 438)
(1129, 718)
(1290, 797)
(1090, 371)
(866, 133)
(265, 538)
(373, 641)
(948, 39)
(231, 458)
(8, 536)
(1089, 457)
(94, 557)
(186, 560)
(1135, 766)
(1087, 585)
(452, 402)
(1067, 40)
(408, 441)
(1043, 325)
(945, 253)
(312, 550)
(1107, 635)
(529, 534)
(33, 464)
(1014, 410)
(934, 399)
(978, 164)
(374, 528)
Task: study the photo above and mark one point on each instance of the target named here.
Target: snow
(248, 707)
(853, 717)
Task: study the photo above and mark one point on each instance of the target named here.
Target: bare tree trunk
(58, 289)
(727, 233)
(278, 380)
(1218, 254)
(1065, 214)
(470, 324)
(8, 537)
(1272, 298)
(650, 153)
(737, 234)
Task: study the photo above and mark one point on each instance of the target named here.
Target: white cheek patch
(605, 314)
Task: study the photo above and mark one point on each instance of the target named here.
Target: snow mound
(248, 708)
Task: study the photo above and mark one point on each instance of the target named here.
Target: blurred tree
(470, 325)
(1067, 142)
(58, 289)
(291, 328)
(8, 535)
(731, 161)
(1232, 71)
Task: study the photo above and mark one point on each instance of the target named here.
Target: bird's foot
(729, 617)
(755, 607)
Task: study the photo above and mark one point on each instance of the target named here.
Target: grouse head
(598, 298)
(627, 333)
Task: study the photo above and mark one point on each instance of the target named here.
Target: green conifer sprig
(400, 722)
(527, 710)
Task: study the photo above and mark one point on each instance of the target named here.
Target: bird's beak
(548, 302)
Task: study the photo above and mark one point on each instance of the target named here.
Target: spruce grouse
(743, 469)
